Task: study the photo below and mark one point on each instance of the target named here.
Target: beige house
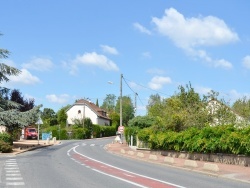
(86, 109)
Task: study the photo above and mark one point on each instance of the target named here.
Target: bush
(6, 137)
(5, 147)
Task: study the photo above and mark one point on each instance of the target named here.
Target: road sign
(121, 129)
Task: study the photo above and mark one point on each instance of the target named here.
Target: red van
(30, 133)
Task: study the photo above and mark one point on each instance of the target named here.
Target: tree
(242, 107)
(142, 122)
(10, 115)
(127, 109)
(62, 116)
(109, 103)
(49, 117)
(17, 97)
(97, 103)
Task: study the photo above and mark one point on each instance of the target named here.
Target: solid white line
(10, 163)
(120, 178)
(168, 183)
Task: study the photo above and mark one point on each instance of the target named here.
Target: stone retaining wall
(217, 157)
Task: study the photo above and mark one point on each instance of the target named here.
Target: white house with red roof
(86, 109)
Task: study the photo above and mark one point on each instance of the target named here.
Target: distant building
(214, 105)
(2, 129)
(86, 109)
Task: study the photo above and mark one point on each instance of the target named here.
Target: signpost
(121, 131)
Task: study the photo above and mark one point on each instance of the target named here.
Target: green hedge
(218, 139)
(80, 132)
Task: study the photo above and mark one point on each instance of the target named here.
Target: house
(86, 109)
(2, 129)
(214, 106)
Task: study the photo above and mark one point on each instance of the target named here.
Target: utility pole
(121, 100)
(135, 103)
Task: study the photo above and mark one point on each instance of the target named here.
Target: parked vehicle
(30, 133)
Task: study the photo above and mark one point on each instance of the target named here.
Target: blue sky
(73, 49)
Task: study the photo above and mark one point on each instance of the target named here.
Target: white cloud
(146, 54)
(141, 28)
(25, 77)
(192, 33)
(246, 62)
(93, 59)
(157, 82)
(202, 90)
(109, 49)
(61, 99)
(155, 71)
(39, 64)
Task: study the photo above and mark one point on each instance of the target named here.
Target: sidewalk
(235, 172)
(21, 146)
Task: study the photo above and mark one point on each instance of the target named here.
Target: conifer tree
(10, 115)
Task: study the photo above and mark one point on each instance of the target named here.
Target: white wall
(85, 112)
(2, 129)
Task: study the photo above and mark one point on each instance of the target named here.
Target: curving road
(86, 163)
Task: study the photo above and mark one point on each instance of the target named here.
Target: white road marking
(168, 183)
(138, 185)
(15, 183)
(13, 179)
(12, 173)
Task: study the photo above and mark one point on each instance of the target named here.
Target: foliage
(26, 104)
(242, 108)
(131, 131)
(49, 117)
(108, 130)
(115, 118)
(62, 116)
(127, 109)
(109, 103)
(5, 137)
(5, 147)
(218, 139)
(96, 131)
(142, 121)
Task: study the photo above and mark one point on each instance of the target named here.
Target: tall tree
(127, 109)
(109, 103)
(10, 115)
(17, 97)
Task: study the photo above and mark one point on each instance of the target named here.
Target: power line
(146, 88)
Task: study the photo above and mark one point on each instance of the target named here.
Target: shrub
(5, 147)
(6, 137)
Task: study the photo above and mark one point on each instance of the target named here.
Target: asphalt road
(86, 163)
